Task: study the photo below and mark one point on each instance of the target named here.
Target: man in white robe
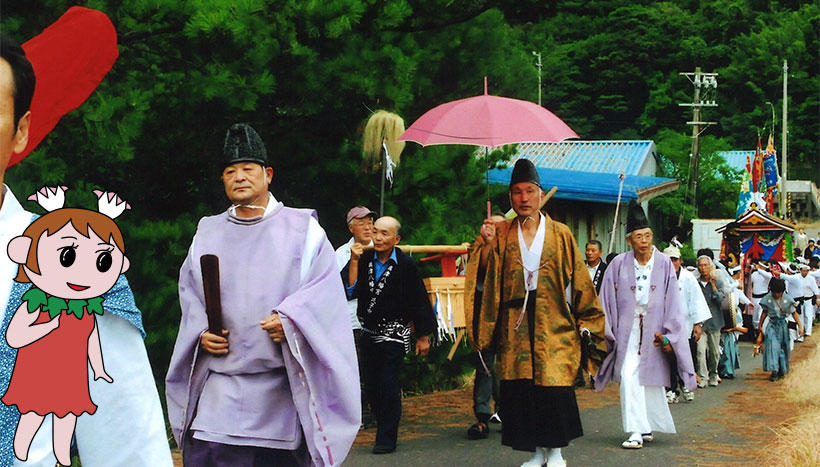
(696, 311)
(128, 427)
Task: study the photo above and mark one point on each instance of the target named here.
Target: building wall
(805, 201)
(650, 163)
(590, 221)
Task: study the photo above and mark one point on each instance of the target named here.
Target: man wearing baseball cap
(360, 223)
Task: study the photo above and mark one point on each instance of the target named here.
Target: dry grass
(795, 442)
(800, 385)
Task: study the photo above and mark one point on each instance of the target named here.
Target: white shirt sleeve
(698, 308)
(313, 240)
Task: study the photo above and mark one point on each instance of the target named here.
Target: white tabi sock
(554, 458)
(537, 459)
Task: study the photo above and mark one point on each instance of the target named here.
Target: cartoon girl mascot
(71, 256)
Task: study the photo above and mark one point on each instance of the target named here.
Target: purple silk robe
(664, 314)
(315, 370)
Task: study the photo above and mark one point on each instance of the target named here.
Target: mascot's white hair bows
(52, 198)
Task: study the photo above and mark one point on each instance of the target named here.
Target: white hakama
(644, 409)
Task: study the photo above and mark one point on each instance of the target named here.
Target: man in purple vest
(279, 384)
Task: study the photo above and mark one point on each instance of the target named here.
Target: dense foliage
(307, 74)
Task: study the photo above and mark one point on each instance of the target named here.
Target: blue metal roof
(588, 156)
(593, 186)
(736, 159)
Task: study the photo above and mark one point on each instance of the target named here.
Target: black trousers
(676, 383)
(382, 365)
(537, 416)
(358, 336)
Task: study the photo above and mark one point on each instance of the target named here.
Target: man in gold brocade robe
(520, 277)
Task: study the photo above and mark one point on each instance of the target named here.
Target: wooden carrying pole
(455, 249)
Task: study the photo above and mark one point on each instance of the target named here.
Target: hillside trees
(307, 74)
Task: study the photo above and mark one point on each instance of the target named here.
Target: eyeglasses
(362, 222)
(642, 236)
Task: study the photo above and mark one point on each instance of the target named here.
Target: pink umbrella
(487, 121)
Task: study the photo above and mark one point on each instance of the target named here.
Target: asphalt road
(428, 437)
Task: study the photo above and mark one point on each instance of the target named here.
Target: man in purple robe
(279, 386)
(645, 325)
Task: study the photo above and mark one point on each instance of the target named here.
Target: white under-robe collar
(531, 257)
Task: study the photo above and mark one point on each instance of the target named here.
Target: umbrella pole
(487, 179)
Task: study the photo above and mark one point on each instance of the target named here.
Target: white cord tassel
(523, 310)
(484, 365)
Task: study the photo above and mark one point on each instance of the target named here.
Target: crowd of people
(670, 327)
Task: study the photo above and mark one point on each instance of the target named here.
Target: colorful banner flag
(745, 196)
(770, 165)
(758, 183)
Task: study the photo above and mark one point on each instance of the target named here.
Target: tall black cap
(243, 144)
(635, 218)
(524, 171)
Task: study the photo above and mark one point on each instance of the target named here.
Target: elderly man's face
(247, 183)
(592, 253)
(525, 198)
(704, 267)
(385, 235)
(641, 240)
(362, 229)
(13, 138)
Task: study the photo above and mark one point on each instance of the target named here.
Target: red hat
(69, 58)
(359, 212)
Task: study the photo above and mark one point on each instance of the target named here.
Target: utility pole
(705, 85)
(539, 66)
(784, 203)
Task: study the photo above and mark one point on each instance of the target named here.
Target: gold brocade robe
(557, 343)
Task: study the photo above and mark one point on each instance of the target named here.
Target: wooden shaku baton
(210, 285)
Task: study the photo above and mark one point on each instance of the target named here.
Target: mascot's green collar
(36, 298)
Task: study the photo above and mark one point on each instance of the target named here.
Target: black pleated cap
(243, 144)
(524, 171)
(635, 218)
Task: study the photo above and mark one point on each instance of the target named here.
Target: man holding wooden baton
(278, 383)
